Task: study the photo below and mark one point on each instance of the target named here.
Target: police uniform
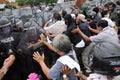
(8, 42)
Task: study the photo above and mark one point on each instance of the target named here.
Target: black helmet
(11, 17)
(4, 25)
(4, 22)
(19, 23)
(26, 17)
(27, 25)
(91, 15)
(104, 58)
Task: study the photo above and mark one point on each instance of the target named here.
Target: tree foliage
(22, 2)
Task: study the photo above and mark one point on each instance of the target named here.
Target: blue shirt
(84, 28)
(55, 73)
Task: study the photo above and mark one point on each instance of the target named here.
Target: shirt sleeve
(97, 38)
(111, 23)
(54, 72)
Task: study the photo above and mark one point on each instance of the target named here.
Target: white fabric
(66, 60)
(56, 28)
(96, 76)
(116, 77)
(73, 16)
(7, 40)
(80, 44)
(110, 22)
(60, 1)
(48, 40)
(72, 52)
(11, 0)
(2, 6)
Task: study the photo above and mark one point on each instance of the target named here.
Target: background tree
(29, 2)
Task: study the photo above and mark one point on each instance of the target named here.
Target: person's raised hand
(37, 57)
(42, 38)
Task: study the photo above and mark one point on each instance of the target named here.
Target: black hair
(113, 4)
(104, 12)
(57, 16)
(102, 23)
(118, 2)
(96, 9)
(69, 18)
(63, 13)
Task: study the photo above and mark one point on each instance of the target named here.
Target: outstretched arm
(82, 76)
(42, 41)
(93, 30)
(47, 24)
(40, 59)
(77, 30)
(6, 65)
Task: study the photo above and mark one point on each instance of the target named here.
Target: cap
(81, 17)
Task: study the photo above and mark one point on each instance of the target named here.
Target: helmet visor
(6, 29)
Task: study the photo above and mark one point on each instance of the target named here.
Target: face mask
(6, 29)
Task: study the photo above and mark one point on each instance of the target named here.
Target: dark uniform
(18, 42)
(9, 41)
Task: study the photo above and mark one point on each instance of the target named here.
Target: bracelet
(64, 76)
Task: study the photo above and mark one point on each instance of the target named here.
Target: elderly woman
(62, 46)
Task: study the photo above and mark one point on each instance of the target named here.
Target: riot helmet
(27, 26)
(11, 18)
(5, 26)
(31, 32)
(104, 58)
(26, 17)
(19, 23)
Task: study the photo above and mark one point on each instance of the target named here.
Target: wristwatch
(64, 76)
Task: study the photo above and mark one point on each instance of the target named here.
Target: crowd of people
(82, 45)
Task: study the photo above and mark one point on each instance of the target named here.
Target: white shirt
(110, 22)
(108, 34)
(60, 1)
(95, 76)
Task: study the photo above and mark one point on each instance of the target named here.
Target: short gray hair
(62, 43)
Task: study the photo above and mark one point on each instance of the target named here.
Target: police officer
(10, 60)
